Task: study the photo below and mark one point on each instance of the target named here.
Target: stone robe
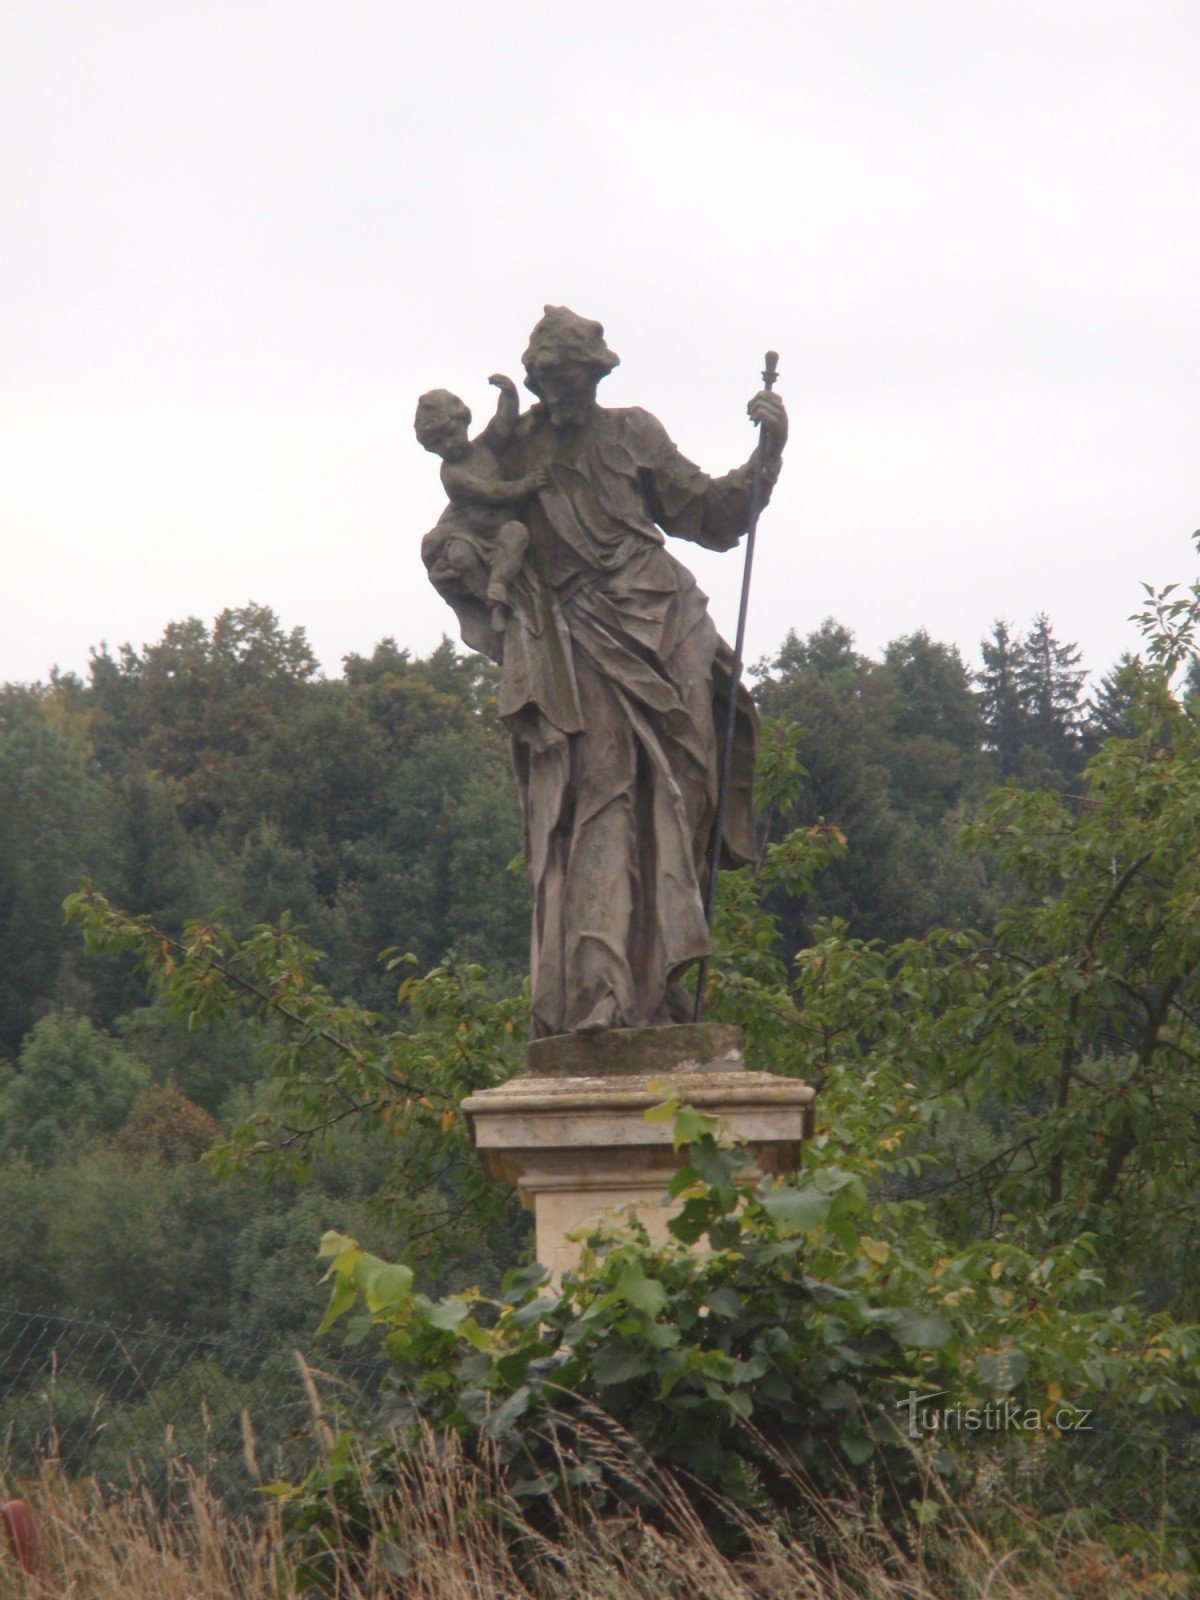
(614, 687)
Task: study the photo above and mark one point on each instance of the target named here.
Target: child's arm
(465, 486)
(508, 408)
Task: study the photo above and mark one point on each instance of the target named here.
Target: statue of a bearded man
(614, 686)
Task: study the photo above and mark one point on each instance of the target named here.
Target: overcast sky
(239, 237)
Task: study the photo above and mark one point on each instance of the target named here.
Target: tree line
(217, 767)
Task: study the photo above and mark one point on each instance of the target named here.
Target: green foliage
(52, 830)
(25, 1271)
(329, 1062)
(127, 1234)
(152, 1412)
(712, 1362)
(793, 1347)
(213, 767)
(885, 752)
(1111, 702)
(216, 1068)
(1043, 1070)
(1031, 700)
(815, 686)
(748, 982)
(196, 702)
(148, 1235)
(1039, 1070)
(70, 1084)
(933, 727)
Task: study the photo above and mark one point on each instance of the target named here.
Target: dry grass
(98, 1547)
(458, 1537)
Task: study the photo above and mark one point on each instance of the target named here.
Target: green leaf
(739, 1402)
(663, 1112)
(482, 1339)
(724, 1302)
(716, 1167)
(857, 1448)
(385, 1285)
(1000, 1373)
(800, 1210)
(528, 1316)
(691, 1125)
(642, 1293)
(917, 1330)
(620, 1363)
(446, 1315)
(357, 1330)
(501, 1421)
(336, 1244)
(520, 1279)
(342, 1297)
(685, 1177)
(660, 1335)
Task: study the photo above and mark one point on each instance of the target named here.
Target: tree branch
(273, 1003)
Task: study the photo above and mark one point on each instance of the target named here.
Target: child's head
(441, 424)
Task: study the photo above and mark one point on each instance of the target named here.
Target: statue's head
(441, 424)
(565, 361)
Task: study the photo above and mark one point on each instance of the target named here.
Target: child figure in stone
(477, 541)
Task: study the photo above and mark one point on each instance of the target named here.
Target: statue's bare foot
(601, 1017)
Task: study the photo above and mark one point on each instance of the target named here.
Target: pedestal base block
(578, 1148)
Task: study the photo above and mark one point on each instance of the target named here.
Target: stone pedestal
(573, 1140)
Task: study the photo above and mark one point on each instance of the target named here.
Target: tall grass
(454, 1534)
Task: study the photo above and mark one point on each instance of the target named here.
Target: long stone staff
(770, 373)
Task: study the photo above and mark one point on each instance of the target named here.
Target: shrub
(788, 1351)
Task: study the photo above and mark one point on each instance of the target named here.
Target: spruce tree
(1051, 682)
(1108, 708)
(1002, 697)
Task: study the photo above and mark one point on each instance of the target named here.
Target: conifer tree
(1051, 682)
(1108, 707)
(1002, 697)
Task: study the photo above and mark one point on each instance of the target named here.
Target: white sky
(238, 237)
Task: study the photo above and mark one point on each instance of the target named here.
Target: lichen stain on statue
(614, 684)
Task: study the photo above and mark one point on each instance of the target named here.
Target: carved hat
(562, 335)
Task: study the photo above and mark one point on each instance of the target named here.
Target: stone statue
(614, 684)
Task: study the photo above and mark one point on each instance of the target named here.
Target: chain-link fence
(148, 1407)
(1125, 1468)
(1143, 1466)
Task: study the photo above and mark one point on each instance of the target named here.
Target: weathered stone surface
(579, 1148)
(613, 682)
(620, 1052)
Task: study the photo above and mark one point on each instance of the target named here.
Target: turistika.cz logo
(997, 1416)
